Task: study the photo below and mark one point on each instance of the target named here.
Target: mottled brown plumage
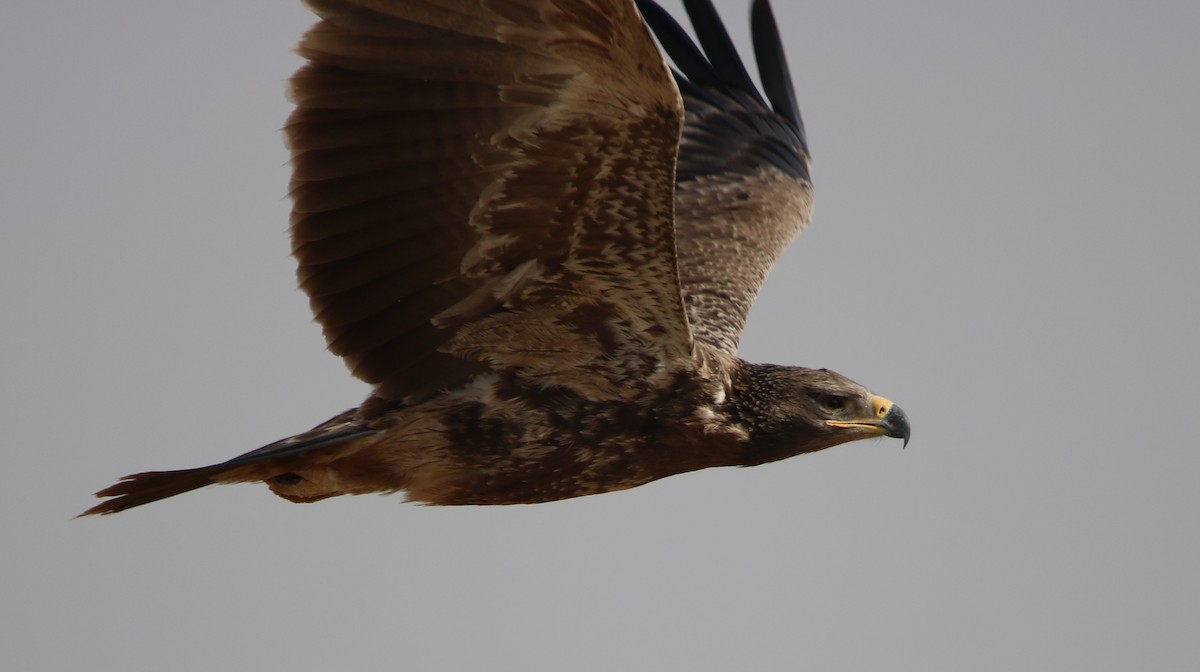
(540, 248)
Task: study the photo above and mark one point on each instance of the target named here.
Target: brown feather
(459, 142)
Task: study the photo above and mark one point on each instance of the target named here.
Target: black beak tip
(896, 424)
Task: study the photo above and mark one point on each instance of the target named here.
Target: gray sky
(1005, 241)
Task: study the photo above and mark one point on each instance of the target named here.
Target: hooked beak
(888, 420)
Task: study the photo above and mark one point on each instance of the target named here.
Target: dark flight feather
(773, 67)
(714, 39)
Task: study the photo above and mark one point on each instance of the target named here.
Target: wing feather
(743, 190)
(773, 67)
(469, 169)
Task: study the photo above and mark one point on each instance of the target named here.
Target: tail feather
(151, 486)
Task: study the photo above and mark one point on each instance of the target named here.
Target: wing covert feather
(456, 163)
(743, 190)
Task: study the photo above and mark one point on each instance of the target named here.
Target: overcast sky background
(1005, 244)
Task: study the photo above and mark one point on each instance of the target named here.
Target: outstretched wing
(743, 190)
(463, 170)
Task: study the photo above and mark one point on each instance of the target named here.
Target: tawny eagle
(538, 243)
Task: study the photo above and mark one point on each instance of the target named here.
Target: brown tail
(151, 486)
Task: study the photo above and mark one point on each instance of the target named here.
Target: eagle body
(538, 242)
(505, 440)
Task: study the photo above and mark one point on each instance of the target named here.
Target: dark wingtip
(719, 48)
(688, 58)
(715, 66)
(772, 65)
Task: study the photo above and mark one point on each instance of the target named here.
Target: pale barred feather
(732, 229)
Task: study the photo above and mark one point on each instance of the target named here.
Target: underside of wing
(458, 163)
(743, 186)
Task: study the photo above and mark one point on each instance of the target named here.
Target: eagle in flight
(538, 243)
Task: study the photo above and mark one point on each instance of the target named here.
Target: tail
(151, 486)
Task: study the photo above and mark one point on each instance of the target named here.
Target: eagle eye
(831, 402)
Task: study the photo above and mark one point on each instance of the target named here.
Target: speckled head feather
(538, 245)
